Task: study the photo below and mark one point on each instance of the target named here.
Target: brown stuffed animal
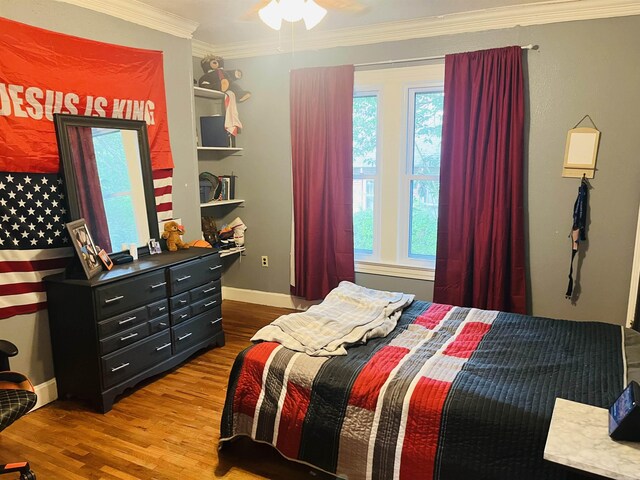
(172, 233)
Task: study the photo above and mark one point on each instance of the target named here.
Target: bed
(450, 393)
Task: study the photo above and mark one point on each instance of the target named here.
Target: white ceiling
(227, 21)
(231, 28)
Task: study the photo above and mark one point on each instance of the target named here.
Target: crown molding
(141, 14)
(490, 19)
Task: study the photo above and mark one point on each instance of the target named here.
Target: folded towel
(349, 315)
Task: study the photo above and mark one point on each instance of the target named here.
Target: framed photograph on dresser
(85, 248)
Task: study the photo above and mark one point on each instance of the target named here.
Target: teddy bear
(217, 78)
(172, 234)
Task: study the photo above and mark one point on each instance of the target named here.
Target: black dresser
(135, 321)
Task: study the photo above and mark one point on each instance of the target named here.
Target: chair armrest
(7, 349)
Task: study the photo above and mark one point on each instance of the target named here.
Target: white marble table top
(579, 438)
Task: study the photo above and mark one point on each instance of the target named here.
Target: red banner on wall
(44, 72)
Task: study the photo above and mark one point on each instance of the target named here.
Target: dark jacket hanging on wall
(578, 230)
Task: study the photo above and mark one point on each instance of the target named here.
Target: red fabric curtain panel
(90, 196)
(322, 167)
(480, 260)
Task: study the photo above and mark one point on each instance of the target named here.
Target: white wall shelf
(231, 150)
(208, 93)
(217, 203)
(232, 251)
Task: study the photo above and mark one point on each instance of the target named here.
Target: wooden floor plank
(163, 430)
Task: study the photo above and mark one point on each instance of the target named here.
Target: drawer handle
(209, 290)
(115, 369)
(163, 347)
(183, 301)
(215, 268)
(184, 315)
(131, 335)
(162, 324)
(161, 308)
(158, 285)
(114, 299)
(213, 322)
(126, 320)
(186, 277)
(210, 303)
(185, 336)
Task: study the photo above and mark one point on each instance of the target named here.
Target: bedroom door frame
(635, 279)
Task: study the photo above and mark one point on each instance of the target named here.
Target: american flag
(33, 239)
(33, 236)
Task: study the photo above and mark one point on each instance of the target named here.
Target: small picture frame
(581, 152)
(85, 247)
(106, 260)
(154, 246)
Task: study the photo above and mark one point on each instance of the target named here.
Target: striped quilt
(450, 393)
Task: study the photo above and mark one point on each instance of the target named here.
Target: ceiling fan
(272, 12)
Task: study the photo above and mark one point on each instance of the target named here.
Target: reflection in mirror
(107, 173)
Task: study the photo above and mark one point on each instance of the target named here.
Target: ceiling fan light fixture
(271, 15)
(313, 14)
(292, 11)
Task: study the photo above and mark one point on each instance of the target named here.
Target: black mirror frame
(70, 180)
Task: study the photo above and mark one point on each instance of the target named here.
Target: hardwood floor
(165, 429)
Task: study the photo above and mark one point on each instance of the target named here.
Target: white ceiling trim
(491, 19)
(139, 13)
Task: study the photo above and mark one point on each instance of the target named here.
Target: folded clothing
(349, 315)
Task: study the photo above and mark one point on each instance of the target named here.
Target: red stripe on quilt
(250, 378)
(294, 409)
(433, 315)
(423, 429)
(467, 340)
(366, 388)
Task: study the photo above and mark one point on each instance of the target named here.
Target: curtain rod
(424, 59)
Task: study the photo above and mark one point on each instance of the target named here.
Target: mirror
(106, 169)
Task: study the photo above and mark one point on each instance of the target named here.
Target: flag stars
(15, 242)
(13, 211)
(44, 180)
(65, 240)
(22, 203)
(1, 241)
(9, 178)
(47, 211)
(57, 233)
(36, 188)
(25, 234)
(22, 218)
(49, 226)
(38, 203)
(45, 196)
(31, 211)
(63, 211)
(2, 186)
(31, 226)
(54, 203)
(29, 195)
(5, 218)
(56, 218)
(27, 179)
(40, 233)
(12, 195)
(40, 218)
(3, 202)
(20, 187)
(49, 241)
(15, 226)
(34, 242)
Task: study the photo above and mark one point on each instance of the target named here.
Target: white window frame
(391, 216)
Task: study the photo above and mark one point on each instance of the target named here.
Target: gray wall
(580, 67)
(31, 332)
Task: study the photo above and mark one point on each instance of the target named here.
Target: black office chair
(16, 399)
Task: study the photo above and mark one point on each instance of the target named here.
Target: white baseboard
(271, 299)
(47, 392)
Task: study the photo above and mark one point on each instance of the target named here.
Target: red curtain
(322, 167)
(90, 194)
(480, 259)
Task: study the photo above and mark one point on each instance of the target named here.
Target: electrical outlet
(265, 261)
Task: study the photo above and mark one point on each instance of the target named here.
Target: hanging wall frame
(581, 151)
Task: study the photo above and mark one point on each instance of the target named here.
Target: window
(397, 128)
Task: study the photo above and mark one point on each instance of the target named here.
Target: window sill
(395, 270)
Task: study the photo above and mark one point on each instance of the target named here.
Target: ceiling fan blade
(352, 6)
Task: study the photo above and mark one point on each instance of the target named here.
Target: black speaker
(213, 132)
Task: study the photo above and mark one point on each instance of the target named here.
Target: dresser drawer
(132, 360)
(180, 316)
(122, 296)
(203, 291)
(123, 339)
(206, 304)
(158, 309)
(179, 301)
(158, 324)
(188, 275)
(122, 322)
(196, 330)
